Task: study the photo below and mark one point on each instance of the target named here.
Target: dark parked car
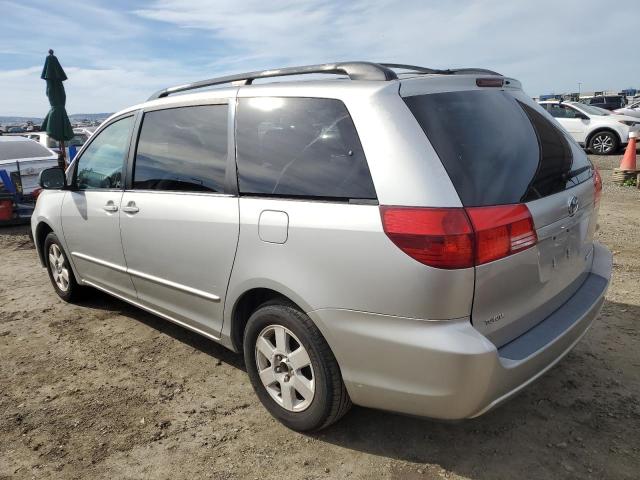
(608, 102)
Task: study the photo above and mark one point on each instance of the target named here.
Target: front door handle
(110, 207)
(131, 208)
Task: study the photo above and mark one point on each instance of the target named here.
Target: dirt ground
(104, 390)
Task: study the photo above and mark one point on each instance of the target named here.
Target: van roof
(363, 77)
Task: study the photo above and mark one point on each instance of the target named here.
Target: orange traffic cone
(629, 160)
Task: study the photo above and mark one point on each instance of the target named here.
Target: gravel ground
(104, 390)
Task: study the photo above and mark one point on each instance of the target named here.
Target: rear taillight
(501, 231)
(439, 237)
(457, 237)
(597, 184)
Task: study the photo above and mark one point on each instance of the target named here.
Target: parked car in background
(21, 161)
(88, 131)
(45, 140)
(631, 110)
(602, 132)
(419, 242)
(608, 102)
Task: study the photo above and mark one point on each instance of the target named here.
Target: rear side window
(300, 147)
(497, 150)
(182, 149)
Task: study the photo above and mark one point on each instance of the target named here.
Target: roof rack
(433, 71)
(355, 71)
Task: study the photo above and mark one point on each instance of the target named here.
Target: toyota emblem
(573, 206)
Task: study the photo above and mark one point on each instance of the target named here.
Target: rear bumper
(447, 369)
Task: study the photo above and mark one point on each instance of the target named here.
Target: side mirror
(582, 116)
(52, 178)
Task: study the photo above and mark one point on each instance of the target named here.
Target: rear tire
(292, 368)
(59, 269)
(604, 143)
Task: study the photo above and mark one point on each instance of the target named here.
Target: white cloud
(88, 90)
(115, 58)
(547, 44)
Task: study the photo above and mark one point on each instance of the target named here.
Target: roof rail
(433, 71)
(413, 68)
(355, 71)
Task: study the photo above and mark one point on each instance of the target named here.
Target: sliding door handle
(130, 208)
(110, 207)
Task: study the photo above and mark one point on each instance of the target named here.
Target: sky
(116, 53)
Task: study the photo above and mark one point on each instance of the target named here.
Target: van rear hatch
(500, 148)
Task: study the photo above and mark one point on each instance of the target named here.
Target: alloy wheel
(58, 267)
(285, 368)
(602, 143)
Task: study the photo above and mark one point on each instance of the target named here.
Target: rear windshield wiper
(574, 173)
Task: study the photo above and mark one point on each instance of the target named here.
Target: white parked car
(88, 131)
(631, 110)
(46, 141)
(598, 130)
(25, 159)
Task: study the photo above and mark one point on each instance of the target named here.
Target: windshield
(590, 109)
(601, 110)
(22, 149)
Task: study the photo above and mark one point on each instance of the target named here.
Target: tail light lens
(439, 237)
(459, 237)
(501, 231)
(597, 184)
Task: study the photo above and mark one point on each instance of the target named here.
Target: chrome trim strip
(154, 312)
(174, 285)
(110, 265)
(151, 278)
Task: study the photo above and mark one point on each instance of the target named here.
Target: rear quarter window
(300, 147)
(496, 149)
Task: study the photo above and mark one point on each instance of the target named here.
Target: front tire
(604, 143)
(60, 272)
(292, 368)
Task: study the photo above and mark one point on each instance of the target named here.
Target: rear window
(496, 149)
(182, 149)
(17, 149)
(300, 147)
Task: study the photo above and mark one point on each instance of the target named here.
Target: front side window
(300, 147)
(182, 149)
(101, 164)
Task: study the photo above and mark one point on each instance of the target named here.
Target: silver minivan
(402, 238)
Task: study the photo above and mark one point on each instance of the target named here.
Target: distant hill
(75, 117)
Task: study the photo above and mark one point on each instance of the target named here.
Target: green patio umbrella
(56, 123)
